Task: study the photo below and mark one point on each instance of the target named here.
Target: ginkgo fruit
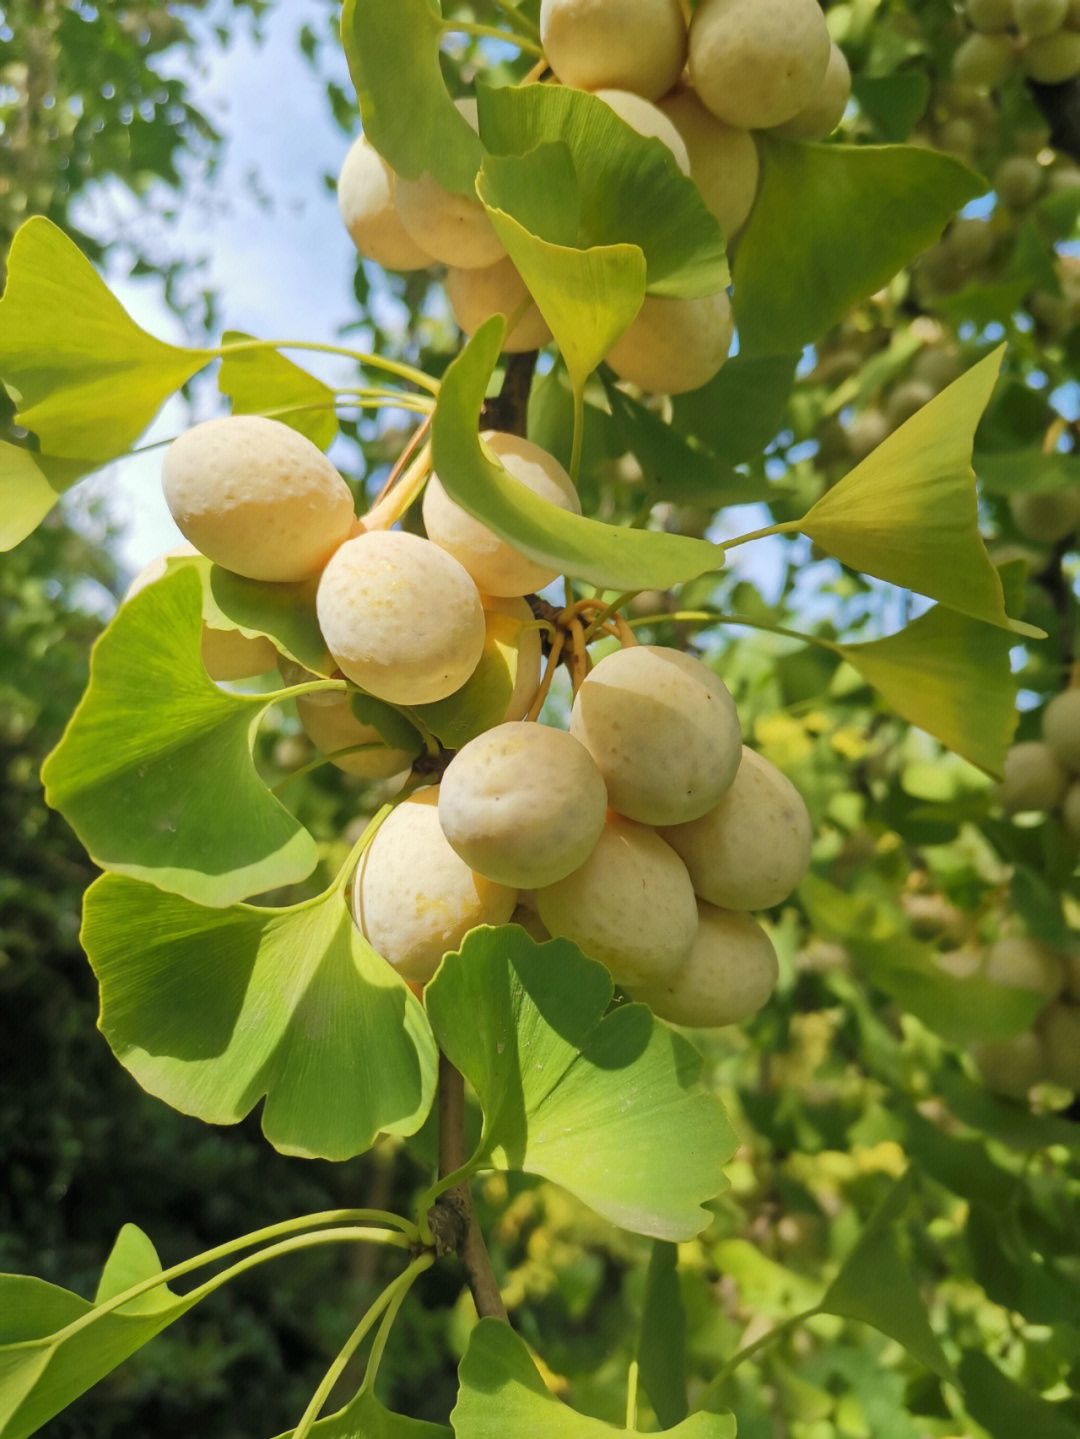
(1061, 728)
(1046, 516)
(331, 725)
(476, 295)
(730, 973)
(495, 565)
(723, 160)
(630, 905)
(1011, 1066)
(648, 120)
(664, 731)
(365, 192)
(509, 626)
(1033, 778)
(1059, 1030)
(1021, 962)
(637, 45)
(256, 497)
(413, 898)
(402, 619)
(523, 804)
(757, 63)
(825, 111)
(751, 849)
(674, 345)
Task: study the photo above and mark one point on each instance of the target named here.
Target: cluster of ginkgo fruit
(701, 87)
(1044, 775)
(645, 834)
(1040, 38)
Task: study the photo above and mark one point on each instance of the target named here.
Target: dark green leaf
(741, 409)
(661, 1351)
(1006, 1410)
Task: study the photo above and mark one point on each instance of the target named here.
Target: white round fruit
(723, 160)
(476, 295)
(256, 497)
(960, 963)
(402, 619)
(1059, 1029)
(648, 120)
(1061, 728)
(413, 898)
(1019, 962)
(825, 111)
(1032, 779)
(674, 345)
(333, 726)
(523, 804)
(1046, 516)
(757, 63)
(496, 566)
(1011, 1066)
(664, 731)
(751, 849)
(630, 905)
(730, 973)
(510, 624)
(452, 228)
(365, 192)
(637, 45)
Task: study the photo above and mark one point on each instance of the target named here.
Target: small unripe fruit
(523, 804)
(825, 111)
(989, 14)
(365, 192)
(1019, 962)
(630, 905)
(476, 295)
(333, 726)
(402, 619)
(724, 161)
(674, 345)
(866, 432)
(970, 241)
(664, 731)
(1061, 728)
(1032, 779)
(960, 963)
(753, 848)
(1059, 1029)
(1070, 812)
(730, 973)
(906, 399)
(1011, 1066)
(1045, 516)
(414, 900)
(637, 45)
(497, 567)
(1054, 59)
(648, 120)
(1018, 180)
(1038, 18)
(757, 63)
(256, 497)
(983, 61)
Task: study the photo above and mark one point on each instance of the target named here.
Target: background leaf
(265, 382)
(1006, 1410)
(30, 485)
(599, 1105)
(211, 1009)
(741, 408)
(661, 1351)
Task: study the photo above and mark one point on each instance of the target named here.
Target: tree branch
(508, 410)
(453, 1154)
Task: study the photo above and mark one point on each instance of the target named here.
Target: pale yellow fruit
(906, 399)
(648, 120)
(757, 63)
(983, 61)
(1032, 779)
(1061, 728)
(510, 623)
(496, 566)
(673, 345)
(1011, 1066)
(825, 111)
(1039, 18)
(256, 497)
(365, 192)
(630, 905)
(637, 45)
(1046, 516)
(664, 731)
(1070, 810)
(730, 973)
(333, 726)
(753, 848)
(1059, 1029)
(989, 14)
(476, 295)
(866, 431)
(960, 963)
(414, 899)
(1019, 962)
(723, 160)
(401, 617)
(451, 227)
(523, 804)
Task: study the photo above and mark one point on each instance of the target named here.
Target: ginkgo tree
(237, 959)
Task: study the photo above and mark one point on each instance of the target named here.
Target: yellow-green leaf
(30, 484)
(264, 382)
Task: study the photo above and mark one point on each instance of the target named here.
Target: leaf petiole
(376, 362)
